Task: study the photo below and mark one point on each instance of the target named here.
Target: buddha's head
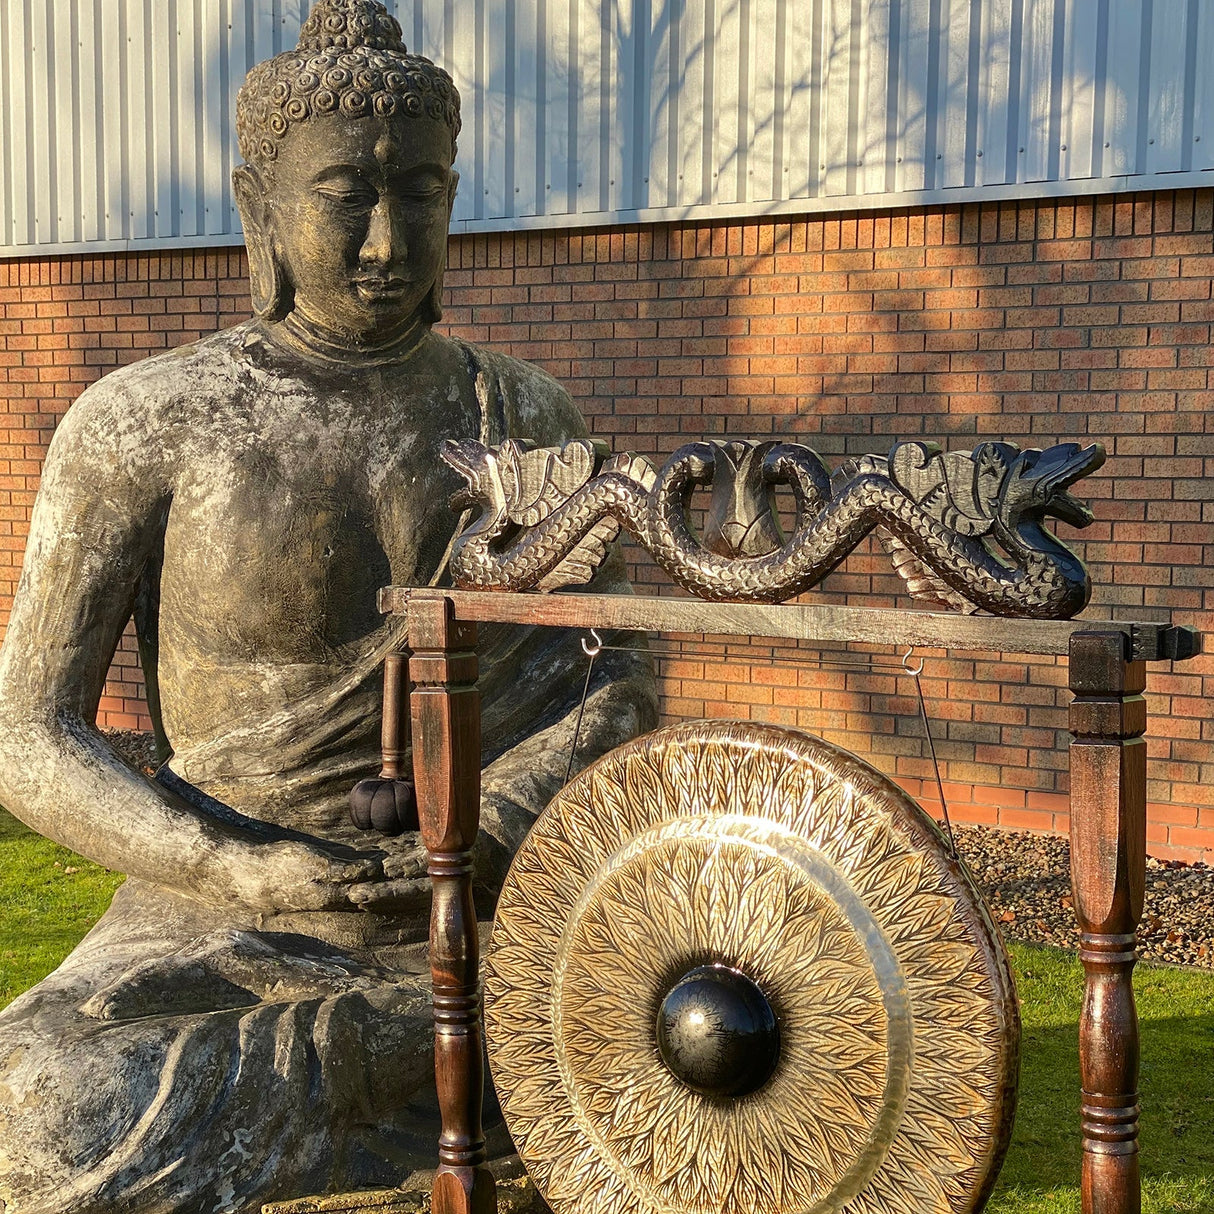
(348, 183)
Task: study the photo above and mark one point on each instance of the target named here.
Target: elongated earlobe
(272, 295)
(432, 309)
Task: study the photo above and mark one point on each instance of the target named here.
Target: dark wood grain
(796, 621)
(394, 730)
(1108, 872)
(446, 763)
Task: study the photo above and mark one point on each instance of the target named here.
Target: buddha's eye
(348, 195)
(422, 187)
(424, 194)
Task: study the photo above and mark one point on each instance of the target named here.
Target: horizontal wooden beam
(1149, 642)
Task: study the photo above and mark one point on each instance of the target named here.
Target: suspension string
(591, 652)
(915, 672)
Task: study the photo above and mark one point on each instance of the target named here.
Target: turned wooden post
(446, 765)
(1108, 873)
(394, 731)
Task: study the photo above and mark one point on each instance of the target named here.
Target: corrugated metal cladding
(116, 116)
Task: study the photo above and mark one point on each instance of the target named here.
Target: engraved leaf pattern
(770, 851)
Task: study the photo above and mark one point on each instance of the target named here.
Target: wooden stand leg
(1108, 867)
(446, 764)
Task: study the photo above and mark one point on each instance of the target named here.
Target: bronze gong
(735, 969)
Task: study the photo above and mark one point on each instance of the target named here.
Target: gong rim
(835, 894)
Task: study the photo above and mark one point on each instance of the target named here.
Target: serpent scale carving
(966, 530)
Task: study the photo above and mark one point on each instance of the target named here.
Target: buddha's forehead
(372, 144)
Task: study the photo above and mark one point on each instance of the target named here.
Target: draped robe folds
(196, 1059)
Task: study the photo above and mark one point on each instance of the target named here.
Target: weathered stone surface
(516, 1194)
(249, 1022)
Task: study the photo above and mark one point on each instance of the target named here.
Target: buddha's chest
(280, 535)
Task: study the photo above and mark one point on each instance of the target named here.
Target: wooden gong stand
(1107, 675)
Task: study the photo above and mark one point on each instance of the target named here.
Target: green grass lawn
(1176, 1010)
(49, 898)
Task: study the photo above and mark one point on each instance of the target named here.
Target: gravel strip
(1027, 882)
(138, 749)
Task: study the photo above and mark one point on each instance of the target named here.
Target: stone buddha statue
(250, 1020)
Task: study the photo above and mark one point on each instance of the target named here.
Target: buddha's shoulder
(141, 418)
(165, 385)
(509, 371)
(535, 404)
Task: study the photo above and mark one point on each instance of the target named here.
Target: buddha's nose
(385, 244)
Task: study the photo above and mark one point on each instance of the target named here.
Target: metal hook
(593, 651)
(913, 670)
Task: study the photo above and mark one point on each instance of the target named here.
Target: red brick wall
(65, 322)
(1035, 322)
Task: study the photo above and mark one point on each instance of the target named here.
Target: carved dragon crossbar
(965, 530)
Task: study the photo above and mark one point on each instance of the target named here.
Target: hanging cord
(915, 672)
(592, 652)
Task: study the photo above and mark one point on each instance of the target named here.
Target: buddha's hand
(307, 875)
(404, 888)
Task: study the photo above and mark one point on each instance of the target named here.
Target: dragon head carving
(483, 491)
(996, 493)
(1036, 482)
(998, 489)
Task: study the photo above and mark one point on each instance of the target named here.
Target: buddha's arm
(98, 518)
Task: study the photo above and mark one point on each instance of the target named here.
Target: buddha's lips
(386, 287)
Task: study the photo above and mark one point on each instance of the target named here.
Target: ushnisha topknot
(352, 60)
